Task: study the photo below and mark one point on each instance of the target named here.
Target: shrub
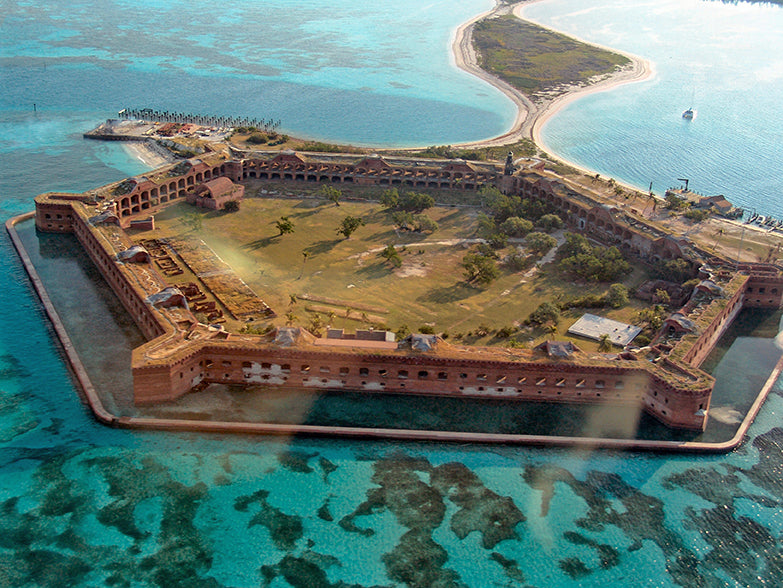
(617, 296)
(257, 139)
(545, 313)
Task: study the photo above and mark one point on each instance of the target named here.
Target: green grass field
(351, 286)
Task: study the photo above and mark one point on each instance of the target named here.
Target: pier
(204, 120)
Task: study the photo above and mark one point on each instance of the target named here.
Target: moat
(84, 300)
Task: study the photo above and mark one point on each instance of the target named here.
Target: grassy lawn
(347, 277)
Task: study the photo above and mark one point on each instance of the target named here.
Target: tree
(515, 226)
(674, 270)
(284, 225)
(424, 224)
(545, 313)
(349, 226)
(305, 255)
(604, 343)
(550, 222)
(597, 264)
(416, 202)
(391, 255)
(331, 193)
(540, 243)
(257, 139)
(574, 245)
(617, 296)
(662, 296)
(517, 261)
(402, 219)
(390, 198)
(479, 269)
(485, 226)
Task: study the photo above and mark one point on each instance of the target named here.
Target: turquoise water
(85, 505)
(722, 59)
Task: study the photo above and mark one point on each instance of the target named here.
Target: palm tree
(604, 343)
(305, 255)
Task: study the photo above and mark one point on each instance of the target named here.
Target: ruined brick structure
(182, 353)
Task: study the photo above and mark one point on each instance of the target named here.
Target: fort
(181, 353)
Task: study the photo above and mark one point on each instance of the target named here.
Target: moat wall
(166, 377)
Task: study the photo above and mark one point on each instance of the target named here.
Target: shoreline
(532, 116)
(149, 154)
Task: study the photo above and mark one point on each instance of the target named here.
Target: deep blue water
(85, 505)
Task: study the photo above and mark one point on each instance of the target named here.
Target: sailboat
(690, 113)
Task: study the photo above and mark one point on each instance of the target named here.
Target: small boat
(688, 114)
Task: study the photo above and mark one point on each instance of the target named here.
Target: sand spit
(531, 115)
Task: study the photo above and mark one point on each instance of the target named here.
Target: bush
(545, 313)
(550, 222)
(426, 330)
(602, 264)
(479, 269)
(696, 215)
(515, 226)
(617, 296)
(540, 243)
(257, 139)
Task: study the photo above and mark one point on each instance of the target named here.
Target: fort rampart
(182, 354)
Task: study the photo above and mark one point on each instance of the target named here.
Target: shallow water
(722, 59)
(85, 505)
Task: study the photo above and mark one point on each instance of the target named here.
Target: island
(208, 322)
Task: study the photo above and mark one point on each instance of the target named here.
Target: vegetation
(523, 148)
(536, 60)
(349, 225)
(193, 220)
(479, 268)
(675, 203)
(515, 226)
(674, 270)
(284, 225)
(545, 313)
(391, 255)
(697, 215)
(582, 260)
(231, 206)
(539, 243)
(331, 193)
(257, 139)
(356, 281)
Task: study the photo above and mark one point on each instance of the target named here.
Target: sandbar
(531, 116)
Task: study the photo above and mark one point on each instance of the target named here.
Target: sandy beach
(149, 153)
(531, 116)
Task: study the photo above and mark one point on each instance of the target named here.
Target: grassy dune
(538, 61)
